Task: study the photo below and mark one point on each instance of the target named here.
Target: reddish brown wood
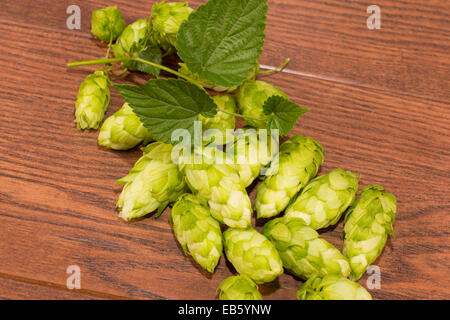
(379, 104)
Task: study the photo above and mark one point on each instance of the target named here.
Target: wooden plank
(57, 188)
(19, 290)
(325, 39)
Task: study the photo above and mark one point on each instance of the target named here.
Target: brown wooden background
(379, 104)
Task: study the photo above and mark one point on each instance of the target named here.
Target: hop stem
(112, 60)
(237, 114)
(281, 67)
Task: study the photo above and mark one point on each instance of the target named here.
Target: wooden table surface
(379, 103)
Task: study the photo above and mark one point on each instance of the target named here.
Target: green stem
(96, 62)
(168, 70)
(238, 115)
(112, 60)
(109, 46)
(276, 69)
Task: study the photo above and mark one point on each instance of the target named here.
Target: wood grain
(325, 39)
(58, 191)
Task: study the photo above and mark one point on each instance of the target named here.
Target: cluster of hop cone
(208, 196)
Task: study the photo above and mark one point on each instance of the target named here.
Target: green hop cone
(253, 151)
(166, 20)
(251, 97)
(221, 122)
(367, 225)
(302, 251)
(323, 200)
(252, 254)
(239, 287)
(123, 130)
(197, 231)
(132, 41)
(209, 85)
(332, 287)
(107, 24)
(93, 101)
(218, 183)
(152, 184)
(298, 162)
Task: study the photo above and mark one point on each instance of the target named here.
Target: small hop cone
(219, 185)
(332, 287)
(107, 24)
(251, 98)
(302, 251)
(252, 152)
(197, 231)
(323, 201)
(153, 182)
(221, 122)
(166, 20)
(239, 287)
(123, 130)
(367, 225)
(92, 101)
(298, 162)
(132, 41)
(183, 69)
(252, 254)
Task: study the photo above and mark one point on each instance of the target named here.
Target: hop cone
(332, 287)
(221, 122)
(153, 182)
(123, 130)
(253, 151)
(302, 251)
(299, 161)
(107, 24)
(252, 254)
(367, 225)
(251, 97)
(166, 20)
(219, 184)
(132, 41)
(323, 201)
(93, 100)
(197, 231)
(239, 288)
(209, 85)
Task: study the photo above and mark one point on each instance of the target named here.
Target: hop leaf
(151, 53)
(222, 41)
(283, 114)
(251, 97)
(166, 105)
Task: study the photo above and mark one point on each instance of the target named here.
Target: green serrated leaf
(165, 105)
(283, 114)
(222, 41)
(153, 54)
